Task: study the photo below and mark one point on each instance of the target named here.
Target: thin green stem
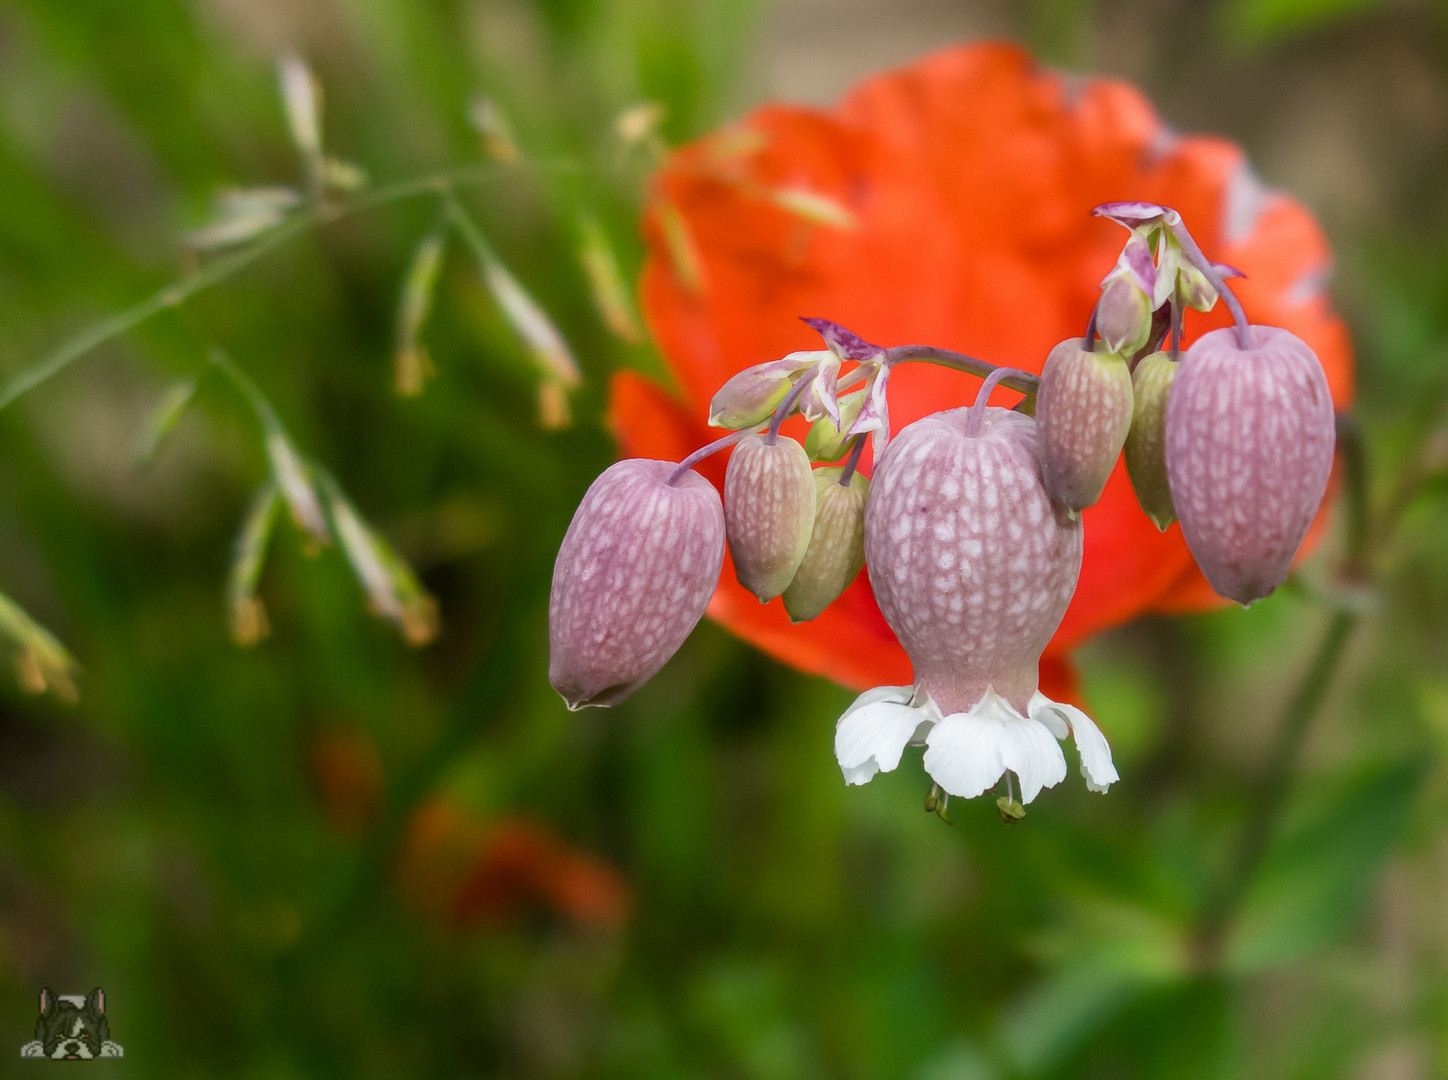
(260, 404)
(226, 266)
(1367, 544)
(1270, 797)
(468, 228)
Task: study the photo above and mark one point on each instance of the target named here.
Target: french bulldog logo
(72, 1028)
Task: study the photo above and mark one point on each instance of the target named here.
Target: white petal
(966, 753)
(1096, 764)
(874, 731)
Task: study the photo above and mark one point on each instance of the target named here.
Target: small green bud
(1123, 315)
(825, 441)
(769, 512)
(836, 545)
(1146, 442)
(751, 396)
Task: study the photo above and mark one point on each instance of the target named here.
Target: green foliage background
(166, 837)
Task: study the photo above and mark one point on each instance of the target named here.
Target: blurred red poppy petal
(959, 192)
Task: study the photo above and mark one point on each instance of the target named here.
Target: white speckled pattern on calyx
(1249, 445)
(634, 573)
(769, 510)
(972, 566)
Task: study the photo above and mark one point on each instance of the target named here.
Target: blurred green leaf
(1314, 880)
(1261, 22)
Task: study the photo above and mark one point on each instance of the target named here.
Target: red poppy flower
(467, 871)
(946, 203)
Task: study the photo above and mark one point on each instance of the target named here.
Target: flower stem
(1088, 340)
(1366, 547)
(852, 462)
(977, 410)
(787, 405)
(227, 266)
(707, 449)
(1270, 797)
(1021, 381)
(1194, 255)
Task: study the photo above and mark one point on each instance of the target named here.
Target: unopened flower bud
(1193, 288)
(836, 549)
(1083, 409)
(826, 440)
(1123, 315)
(769, 510)
(633, 576)
(751, 396)
(1146, 442)
(1249, 443)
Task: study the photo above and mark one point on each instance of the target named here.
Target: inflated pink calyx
(971, 564)
(635, 571)
(1249, 445)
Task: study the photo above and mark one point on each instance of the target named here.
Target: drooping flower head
(960, 186)
(1249, 441)
(635, 570)
(973, 566)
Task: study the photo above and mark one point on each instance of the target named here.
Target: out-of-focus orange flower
(347, 774)
(466, 871)
(946, 203)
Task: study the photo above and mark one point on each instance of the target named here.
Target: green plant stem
(260, 404)
(468, 229)
(1270, 797)
(1368, 539)
(226, 266)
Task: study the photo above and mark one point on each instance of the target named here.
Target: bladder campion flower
(973, 566)
(966, 177)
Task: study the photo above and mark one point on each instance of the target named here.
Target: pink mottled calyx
(1249, 445)
(1146, 442)
(1083, 412)
(971, 564)
(635, 571)
(836, 544)
(769, 511)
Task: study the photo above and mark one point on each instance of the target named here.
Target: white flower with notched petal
(967, 753)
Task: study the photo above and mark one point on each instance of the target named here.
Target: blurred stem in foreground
(1368, 539)
(227, 266)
